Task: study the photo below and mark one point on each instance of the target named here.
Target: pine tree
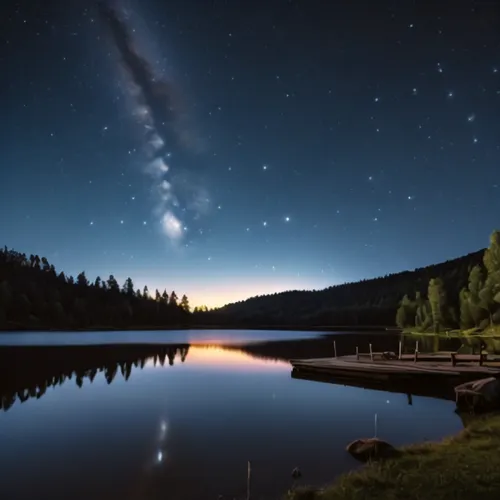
(128, 287)
(400, 317)
(145, 292)
(173, 299)
(466, 318)
(157, 296)
(113, 284)
(490, 294)
(476, 284)
(437, 300)
(45, 264)
(185, 303)
(164, 297)
(82, 280)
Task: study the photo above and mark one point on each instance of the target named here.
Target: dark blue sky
(312, 143)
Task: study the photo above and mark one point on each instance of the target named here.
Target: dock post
(334, 348)
(416, 346)
(357, 353)
(371, 353)
(249, 476)
(400, 349)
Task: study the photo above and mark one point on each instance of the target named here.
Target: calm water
(180, 421)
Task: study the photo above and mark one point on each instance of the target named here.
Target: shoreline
(463, 466)
(470, 333)
(303, 328)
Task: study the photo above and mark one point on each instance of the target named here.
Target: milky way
(157, 106)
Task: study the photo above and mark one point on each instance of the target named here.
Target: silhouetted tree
(113, 284)
(128, 287)
(185, 303)
(82, 280)
(173, 299)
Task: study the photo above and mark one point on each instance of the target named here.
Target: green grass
(466, 466)
(493, 331)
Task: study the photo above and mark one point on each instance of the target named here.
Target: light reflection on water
(158, 427)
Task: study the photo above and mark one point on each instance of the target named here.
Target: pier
(388, 365)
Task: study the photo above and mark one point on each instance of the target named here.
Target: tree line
(475, 306)
(34, 295)
(366, 303)
(459, 292)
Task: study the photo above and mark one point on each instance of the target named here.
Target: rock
(389, 355)
(371, 449)
(479, 395)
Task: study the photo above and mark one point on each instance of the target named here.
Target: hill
(371, 302)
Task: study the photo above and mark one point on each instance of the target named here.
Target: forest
(34, 296)
(460, 293)
(365, 303)
(476, 306)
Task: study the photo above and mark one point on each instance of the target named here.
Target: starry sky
(231, 148)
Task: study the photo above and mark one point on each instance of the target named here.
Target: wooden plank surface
(348, 364)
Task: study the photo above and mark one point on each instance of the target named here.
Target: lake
(177, 414)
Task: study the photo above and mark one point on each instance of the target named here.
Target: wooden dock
(443, 364)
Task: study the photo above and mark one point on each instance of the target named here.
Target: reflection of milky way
(157, 108)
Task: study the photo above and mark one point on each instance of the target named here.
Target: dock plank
(431, 365)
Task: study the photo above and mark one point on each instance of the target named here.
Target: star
(471, 117)
(121, 222)
(264, 223)
(144, 223)
(370, 178)
(264, 167)
(287, 219)
(219, 207)
(91, 222)
(450, 94)
(415, 91)
(133, 198)
(376, 99)
(475, 140)
(411, 197)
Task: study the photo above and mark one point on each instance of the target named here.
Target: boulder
(371, 449)
(389, 355)
(479, 395)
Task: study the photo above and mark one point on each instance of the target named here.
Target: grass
(491, 331)
(465, 466)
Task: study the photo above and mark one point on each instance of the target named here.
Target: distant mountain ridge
(367, 302)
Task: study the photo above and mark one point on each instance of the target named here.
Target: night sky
(231, 148)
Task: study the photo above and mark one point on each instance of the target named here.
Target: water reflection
(27, 372)
(146, 421)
